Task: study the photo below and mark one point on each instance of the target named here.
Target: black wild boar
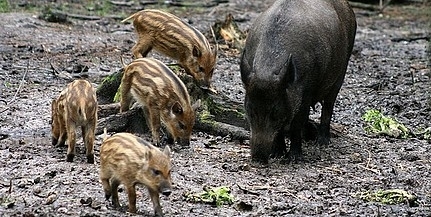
(296, 55)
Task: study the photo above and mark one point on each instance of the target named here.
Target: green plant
(388, 197)
(423, 133)
(377, 123)
(218, 196)
(117, 97)
(4, 6)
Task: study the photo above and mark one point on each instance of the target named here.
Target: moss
(216, 109)
(388, 197)
(206, 117)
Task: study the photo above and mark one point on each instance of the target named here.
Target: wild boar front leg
(71, 141)
(154, 195)
(142, 47)
(131, 193)
(295, 152)
(88, 132)
(279, 146)
(155, 124)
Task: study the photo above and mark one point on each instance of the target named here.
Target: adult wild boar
(296, 55)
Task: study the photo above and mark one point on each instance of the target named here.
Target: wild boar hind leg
(323, 136)
(88, 133)
(126, 96)
(106, 185)
(71, 141)
(142, 47)
(114, 192)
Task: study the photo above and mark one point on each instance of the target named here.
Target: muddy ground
(389, 70)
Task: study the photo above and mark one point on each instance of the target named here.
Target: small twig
(332, 169)
(19, 88)
(10, 186)
(383, 6)
(369, 169)
(247, 191)
(55, 72)
(21, 83)
(412, 75)
(369, 158)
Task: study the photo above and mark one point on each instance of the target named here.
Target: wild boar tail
(129, 18)
(122, 62)
(82, 113)
(215, 41)
(105, 134)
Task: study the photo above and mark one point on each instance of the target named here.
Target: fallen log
(218, 115)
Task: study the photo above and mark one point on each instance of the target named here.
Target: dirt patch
(389, 70)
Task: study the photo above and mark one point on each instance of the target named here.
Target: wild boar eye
(156, 172)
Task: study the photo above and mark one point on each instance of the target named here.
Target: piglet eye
(156, 172)
(201, 69)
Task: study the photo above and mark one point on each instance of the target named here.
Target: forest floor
(389, 70)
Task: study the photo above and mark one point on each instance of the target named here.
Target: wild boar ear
(177, 108)
(196, 51)
(148, 155)
(244, 68)
(196, 105)
(288, 72)
(215, 41)
(167, 151)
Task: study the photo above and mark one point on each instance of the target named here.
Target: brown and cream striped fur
(76, 106)
(163, 96)
(129, 160)
(173, 37)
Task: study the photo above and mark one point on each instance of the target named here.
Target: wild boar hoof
(158, 214)
(261, 160)
(107, 196)
(323, 141)
(70, 157)
(132, 210)
(54, 141)
(293, 157)
(90, 159)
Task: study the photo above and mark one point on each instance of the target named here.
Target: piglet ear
(288, 72)
(177, 109)
(196, 105)
(167, 151)
(196, 52)
(148, 155)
